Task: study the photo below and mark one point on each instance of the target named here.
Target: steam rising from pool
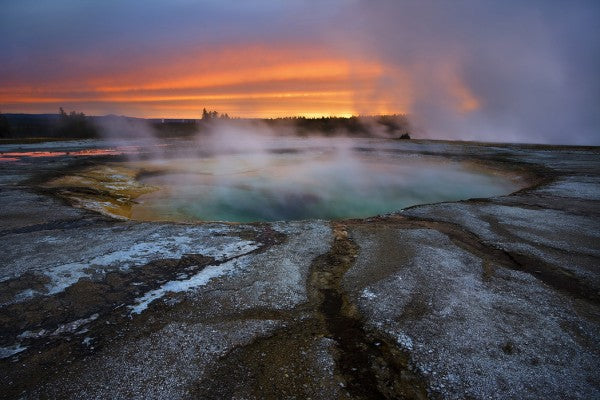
(243, 173)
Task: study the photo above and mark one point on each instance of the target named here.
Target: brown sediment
(371, 365)
(273, 367)
(108, 189)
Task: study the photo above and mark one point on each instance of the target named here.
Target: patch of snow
(6, 352)
(65, 328)
(73, 326)
(229, 250)
(63, 276)
(197, 280)
(33, 335)
(24, 295)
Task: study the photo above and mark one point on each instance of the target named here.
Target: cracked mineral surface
(494, 298)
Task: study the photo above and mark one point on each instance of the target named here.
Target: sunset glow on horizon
(247, 82)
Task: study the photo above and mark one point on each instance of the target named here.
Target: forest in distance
(77, 125)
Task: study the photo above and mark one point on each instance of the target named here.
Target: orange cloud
(245, 82)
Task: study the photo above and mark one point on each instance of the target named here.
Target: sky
(510, 71)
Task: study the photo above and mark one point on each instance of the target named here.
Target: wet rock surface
(482, 298)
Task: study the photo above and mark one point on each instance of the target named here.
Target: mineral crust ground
(495, 298)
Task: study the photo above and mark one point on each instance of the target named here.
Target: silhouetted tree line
(5, 131)
(177, 127)
(13, 126)
(63, 125)
(75, 125)
(393, 126)
(213, 115)
(186, 127)
(78, 125)
(331, 125)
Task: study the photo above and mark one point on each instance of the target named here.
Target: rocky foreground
(480, 299)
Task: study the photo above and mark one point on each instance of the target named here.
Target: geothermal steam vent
(292, 180)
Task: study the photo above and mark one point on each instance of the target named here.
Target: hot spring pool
(307, 184)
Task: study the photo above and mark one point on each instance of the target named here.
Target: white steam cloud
(505, 71)
(247, 171)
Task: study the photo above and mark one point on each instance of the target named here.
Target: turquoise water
(308, 185)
